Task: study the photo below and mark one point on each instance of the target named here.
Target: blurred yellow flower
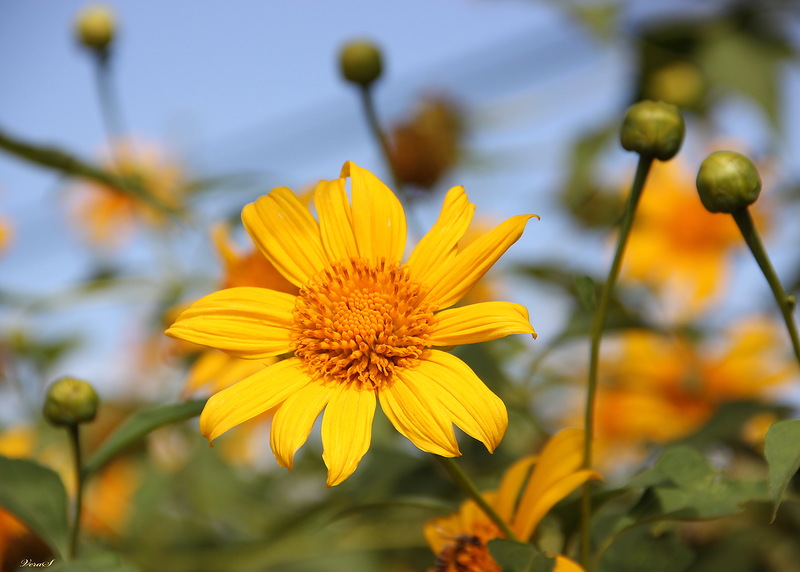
(106, 214)
(363, 326)
(528, 490)
(677, 247)
(658, 388)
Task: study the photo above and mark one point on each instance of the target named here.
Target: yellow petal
(286, 233)
(479, 323)
(378, 218)
(417, 416)
(529, 515)
(450, 281)
(438, 246)
(564, 564)
(335, 220)
(441, 531)
(465, 398)
(511, 485)
(251, 396)
(248, 322)
(294, 419)
(555, 476)
(346, 431)
(218, 370)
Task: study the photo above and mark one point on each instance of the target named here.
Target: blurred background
(519, 101)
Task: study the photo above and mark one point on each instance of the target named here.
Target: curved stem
(75, 439)
(463, 481)
(786, 303)
(598, 322)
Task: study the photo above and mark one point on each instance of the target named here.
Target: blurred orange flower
(658, 388)
(677, 247)
(107, 214)
(528, 490)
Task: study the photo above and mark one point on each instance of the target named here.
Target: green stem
(785, 303)
(463, 481)
(596, 333)
(75, 439)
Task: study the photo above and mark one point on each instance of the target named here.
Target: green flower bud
(654, 129)
(95, 27)
(70, 401)
(361, 62)
(727, 182)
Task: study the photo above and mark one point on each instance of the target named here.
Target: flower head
(528, 490)
(363, 327)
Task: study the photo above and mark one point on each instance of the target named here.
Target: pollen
(358, 322)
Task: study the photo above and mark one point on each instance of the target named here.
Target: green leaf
(734, 59)
(139, 426)
(684, 486)
(782, 451)
(519, 557)
(641, 551)
(36, 495)
(102, 562)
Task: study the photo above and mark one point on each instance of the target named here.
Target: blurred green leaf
(639, 550)
(682, 485)
(587, 201)
(102, 562)
(587, 292)
(138, 426)
(782, 451)
(36, 495)
(519, 557)
(737, 60)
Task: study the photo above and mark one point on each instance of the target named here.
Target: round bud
(727, 181)
(95, 27)
(70, 401)
(361, 62)
(654, 129)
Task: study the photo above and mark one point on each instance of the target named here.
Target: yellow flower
(363, 326)
(106, 214)
(529, 488)
(676, 246)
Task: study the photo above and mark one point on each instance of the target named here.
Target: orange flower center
(466, 553)
(358, 321)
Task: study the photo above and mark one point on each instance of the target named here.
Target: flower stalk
(75, 529)
(596, 333)
(464, 482)
(786, 303)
